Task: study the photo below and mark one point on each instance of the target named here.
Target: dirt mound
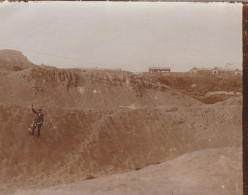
(75, 144)
(201, 86)
(11, 60)
(88, 90)
(210, 171)
(232, 101)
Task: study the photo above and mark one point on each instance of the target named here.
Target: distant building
(230, 71)
(238, 72)
(215, 70)
(159, 69)
(205, 71)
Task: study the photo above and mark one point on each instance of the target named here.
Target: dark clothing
(38, 121)
(39, 117)
(34, 126)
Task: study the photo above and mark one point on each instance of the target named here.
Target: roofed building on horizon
(205, 71)
(230, 71)
(215, 71)
(159, 69)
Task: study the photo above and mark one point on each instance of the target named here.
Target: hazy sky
(128, 35)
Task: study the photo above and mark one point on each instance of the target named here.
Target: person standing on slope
(38, 120)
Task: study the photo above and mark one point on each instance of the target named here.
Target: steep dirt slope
(210, 171)
(134, 139)
(75, 144)
(101, 90)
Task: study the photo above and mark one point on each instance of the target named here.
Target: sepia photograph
(121, 98)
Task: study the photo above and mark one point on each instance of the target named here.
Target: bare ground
(102, 123)
(210, 171)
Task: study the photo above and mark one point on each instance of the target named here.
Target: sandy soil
(100, 123)
(98, 144)
(210, 171)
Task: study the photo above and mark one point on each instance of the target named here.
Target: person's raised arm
(34, 111)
